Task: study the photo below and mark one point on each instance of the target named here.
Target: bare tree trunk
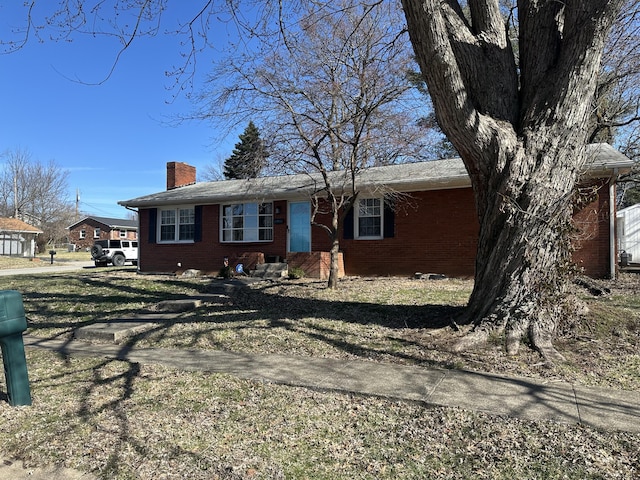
(523, 262)
(334, 268)
(520, 131)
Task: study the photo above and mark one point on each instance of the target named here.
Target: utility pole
(15, 195)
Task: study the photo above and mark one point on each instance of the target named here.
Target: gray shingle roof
(110, 222)
(408, 177)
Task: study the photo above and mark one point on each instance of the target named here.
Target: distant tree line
(36, 193)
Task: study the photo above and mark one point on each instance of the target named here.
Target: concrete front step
(271, 270)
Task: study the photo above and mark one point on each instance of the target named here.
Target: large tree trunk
(520, 130)
(523, 262)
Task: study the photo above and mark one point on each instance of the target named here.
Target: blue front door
(299, 227)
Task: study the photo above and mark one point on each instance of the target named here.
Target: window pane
(187, 215)
(251, 235)
(250, 222)
(266, 222)
(167, 232)
(266, 208)
(369, 227)
(266, 234)
(168, 217)
(187, 232)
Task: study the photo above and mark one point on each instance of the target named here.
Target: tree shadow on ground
(260, 312)
(274, 323)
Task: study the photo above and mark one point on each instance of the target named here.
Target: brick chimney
(180, 174)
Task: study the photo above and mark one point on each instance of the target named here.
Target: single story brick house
(17, 238)
(432, 228)
(86, 231)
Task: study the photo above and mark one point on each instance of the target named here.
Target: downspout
(612, 225)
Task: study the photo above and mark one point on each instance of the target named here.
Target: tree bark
(334, 268)
(520, 130)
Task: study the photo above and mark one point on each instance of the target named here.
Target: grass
(120, 420)
(387, 319)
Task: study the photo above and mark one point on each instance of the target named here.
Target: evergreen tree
(248, 157)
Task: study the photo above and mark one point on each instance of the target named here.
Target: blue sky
(114, 138)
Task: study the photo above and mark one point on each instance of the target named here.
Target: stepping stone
(176, 306)
(117, 330)
(114, 331)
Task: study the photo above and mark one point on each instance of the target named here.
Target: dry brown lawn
(128, 421)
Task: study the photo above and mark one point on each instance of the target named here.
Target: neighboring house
(85, 232)
(629, 233)
(17, 238)
(433, 228)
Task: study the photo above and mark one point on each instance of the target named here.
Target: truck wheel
(118, 260)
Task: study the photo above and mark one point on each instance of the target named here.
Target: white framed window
(96, 233)
(123, 234)
(247, 222)
(368, 218)
(83, 234)
(177, 225)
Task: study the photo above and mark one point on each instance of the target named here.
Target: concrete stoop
(273, 271)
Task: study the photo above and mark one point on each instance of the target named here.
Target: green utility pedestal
(12, 323)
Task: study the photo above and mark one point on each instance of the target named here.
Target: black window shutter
(389, 220)
(197, 234)
(153, 224)
(347, 225)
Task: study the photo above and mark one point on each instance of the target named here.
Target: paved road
(48, 268)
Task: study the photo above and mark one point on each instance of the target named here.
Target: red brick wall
(435, 232)
(591, 242)
(89, 227)
(208, 254)
(180, 174)
(315, 264)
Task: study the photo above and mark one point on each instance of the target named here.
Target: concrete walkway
(509, 396)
